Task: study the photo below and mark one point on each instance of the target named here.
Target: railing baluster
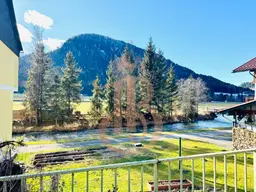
(87, 181)
(214, 174)
(193, 174)
(115, 179)
(23, 185)
(169, 176)
(41, 184)
(245, 172)
(254, 172)
(72, 182)
(203, 173)
(181, 176)
(101, 180)
(4, 186)
(155, 177)
(129, 179)
(225, 173)
(235, 173)
(141, 176)
(57, 178)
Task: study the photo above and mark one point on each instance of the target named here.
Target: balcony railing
(39, 179)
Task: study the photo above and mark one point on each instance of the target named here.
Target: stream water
(35, 136)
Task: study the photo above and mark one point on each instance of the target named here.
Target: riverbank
(74, 127)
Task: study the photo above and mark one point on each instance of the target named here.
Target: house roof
(248, 66)
(9, 34)
(242, 106)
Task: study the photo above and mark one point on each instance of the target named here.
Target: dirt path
(218, 137)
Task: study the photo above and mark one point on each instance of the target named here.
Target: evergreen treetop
(109, 93)
(70, 82)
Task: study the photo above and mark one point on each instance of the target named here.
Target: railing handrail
(207, 155)
(77, 170)
(121, 165)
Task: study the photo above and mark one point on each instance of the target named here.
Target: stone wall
(243, 138)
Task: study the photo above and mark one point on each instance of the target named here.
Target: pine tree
(96, 102)
(170, 92)
(160, 74)
(152, 74)
(70, 82)
(146, 74)
(110, 89)
(36, 87)
(55, 98)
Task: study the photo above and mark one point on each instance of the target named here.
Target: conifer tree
(171, 91)
(153, 74)
(71, 85)
(110, 89)
(146, 73)
(96, 102)
(55, 98)
(36, 86)
(160, 74)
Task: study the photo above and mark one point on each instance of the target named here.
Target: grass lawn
(151, 150)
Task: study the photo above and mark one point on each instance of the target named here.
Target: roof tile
(248, 66)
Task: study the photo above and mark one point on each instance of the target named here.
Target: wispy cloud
(25, 34)
(38, 19)
(52, 43)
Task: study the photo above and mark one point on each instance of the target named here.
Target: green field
(18, 105)
(84, 107)
(151, 150)
(217, 105)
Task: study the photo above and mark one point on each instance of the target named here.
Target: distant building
(234, 97)
(10, 48)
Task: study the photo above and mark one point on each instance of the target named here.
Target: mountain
(93, 53)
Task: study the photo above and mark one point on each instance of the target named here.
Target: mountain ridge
(93, 53)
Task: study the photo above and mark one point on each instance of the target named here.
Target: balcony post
(254, 81)
(254, 172)
(156, 177)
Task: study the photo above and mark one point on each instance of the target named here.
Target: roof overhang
(246, 107)
(248, 66)
(14, 24)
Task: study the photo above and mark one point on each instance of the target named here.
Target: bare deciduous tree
(191, 92)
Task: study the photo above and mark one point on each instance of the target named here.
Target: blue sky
(209, 37)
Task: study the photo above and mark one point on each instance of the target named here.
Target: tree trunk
(37, 116)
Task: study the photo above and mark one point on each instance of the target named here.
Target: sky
(209, 37)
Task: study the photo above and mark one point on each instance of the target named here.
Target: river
(35, 136)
